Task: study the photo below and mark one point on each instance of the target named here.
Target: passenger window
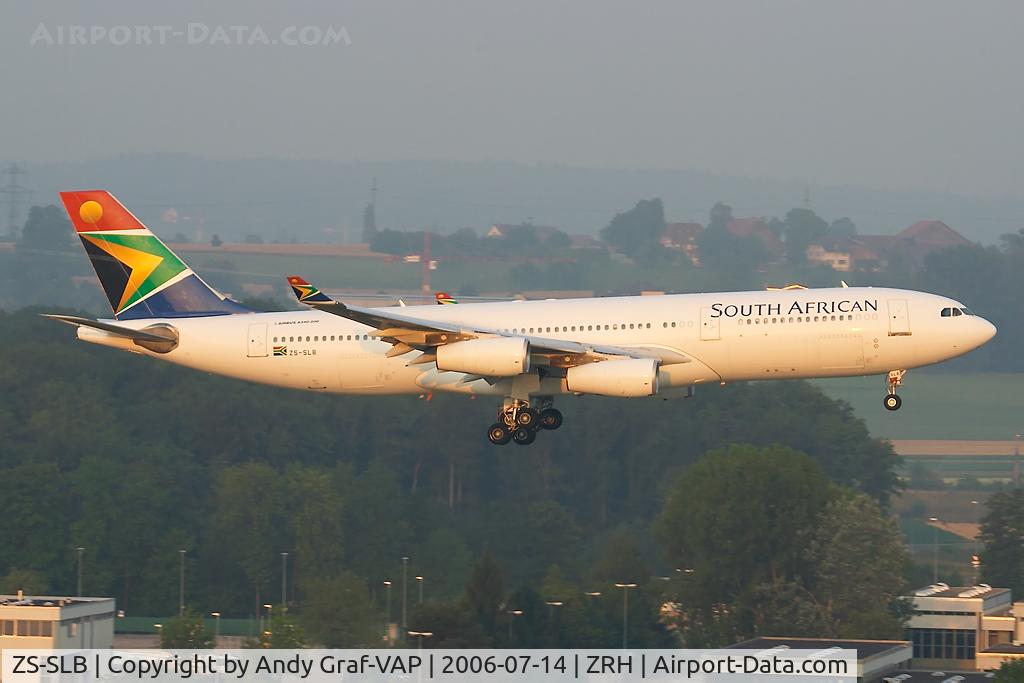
(673, 323)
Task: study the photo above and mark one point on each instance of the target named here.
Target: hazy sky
(898, 94)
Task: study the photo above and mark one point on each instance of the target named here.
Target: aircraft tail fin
(306, 293)
(141, 277)
(445, 298)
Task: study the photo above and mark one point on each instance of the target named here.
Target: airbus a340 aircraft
(522, 352)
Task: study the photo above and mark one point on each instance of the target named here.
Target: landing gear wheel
(524, 436)
(499, 434)
(550, 418)
(893, 402)
(528, 417)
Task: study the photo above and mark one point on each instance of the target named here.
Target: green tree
(637, 232)
(337, 612)
(485, 591)
(803, 227)
(248, 524)
(620, 560)
(47, 229)
(315, 512)
(1002, 532)
(186, 632)
(856, 594)
(452, 624)
(1011, 671)
(737, 517)
(28, 580)
(283, 633)
(842, 227)
(721, 216)
(785, 608)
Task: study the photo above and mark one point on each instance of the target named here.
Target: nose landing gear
(518, 421)
(895, 379)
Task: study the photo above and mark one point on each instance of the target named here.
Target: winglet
(444, 298)
(307, 293)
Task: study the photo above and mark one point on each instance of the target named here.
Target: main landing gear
(518, 421)
(895, 379)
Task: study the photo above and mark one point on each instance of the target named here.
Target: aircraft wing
(408, 332)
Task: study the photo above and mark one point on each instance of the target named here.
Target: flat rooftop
(864, 648)
(46, 601)
(939, 676)
(962, 592)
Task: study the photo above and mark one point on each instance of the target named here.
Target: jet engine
(490, 356)
(627, 377)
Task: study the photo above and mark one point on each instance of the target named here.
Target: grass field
(938, 405)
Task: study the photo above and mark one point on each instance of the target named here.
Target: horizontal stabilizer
(127, 332)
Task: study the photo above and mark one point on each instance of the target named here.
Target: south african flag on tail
(307, 293)
(445, 298)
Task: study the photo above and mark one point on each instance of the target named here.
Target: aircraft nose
(989, 331)
(983, 331)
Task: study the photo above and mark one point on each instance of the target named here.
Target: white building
(965, 627)
(49, 622)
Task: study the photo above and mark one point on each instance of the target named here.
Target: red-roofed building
(908, 248)
(683, 237)
(758, 227)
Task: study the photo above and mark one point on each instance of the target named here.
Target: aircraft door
(257, 340)
(899, 318)
(709, 326)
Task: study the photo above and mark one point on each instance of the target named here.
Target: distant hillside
(287, 200)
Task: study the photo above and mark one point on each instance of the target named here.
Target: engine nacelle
(490, 357)
(628, 377)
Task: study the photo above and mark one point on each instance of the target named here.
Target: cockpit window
(957, 311)
(947, 312)
(967, 311)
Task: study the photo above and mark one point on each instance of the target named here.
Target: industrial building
(965, 627)
(50, 622)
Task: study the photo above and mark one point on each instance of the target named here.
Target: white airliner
(523, 352)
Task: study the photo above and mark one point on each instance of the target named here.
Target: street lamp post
(405, 591)
(420, 580)
(181, 583)
(80, 551)
(625, 611)
(270, 620)
(935, 549)
(284, 581)
(420, 635)
(512, 614)
(975, 558)
(554, 605)
(159, 633)
(387, 626)
(216, 627)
